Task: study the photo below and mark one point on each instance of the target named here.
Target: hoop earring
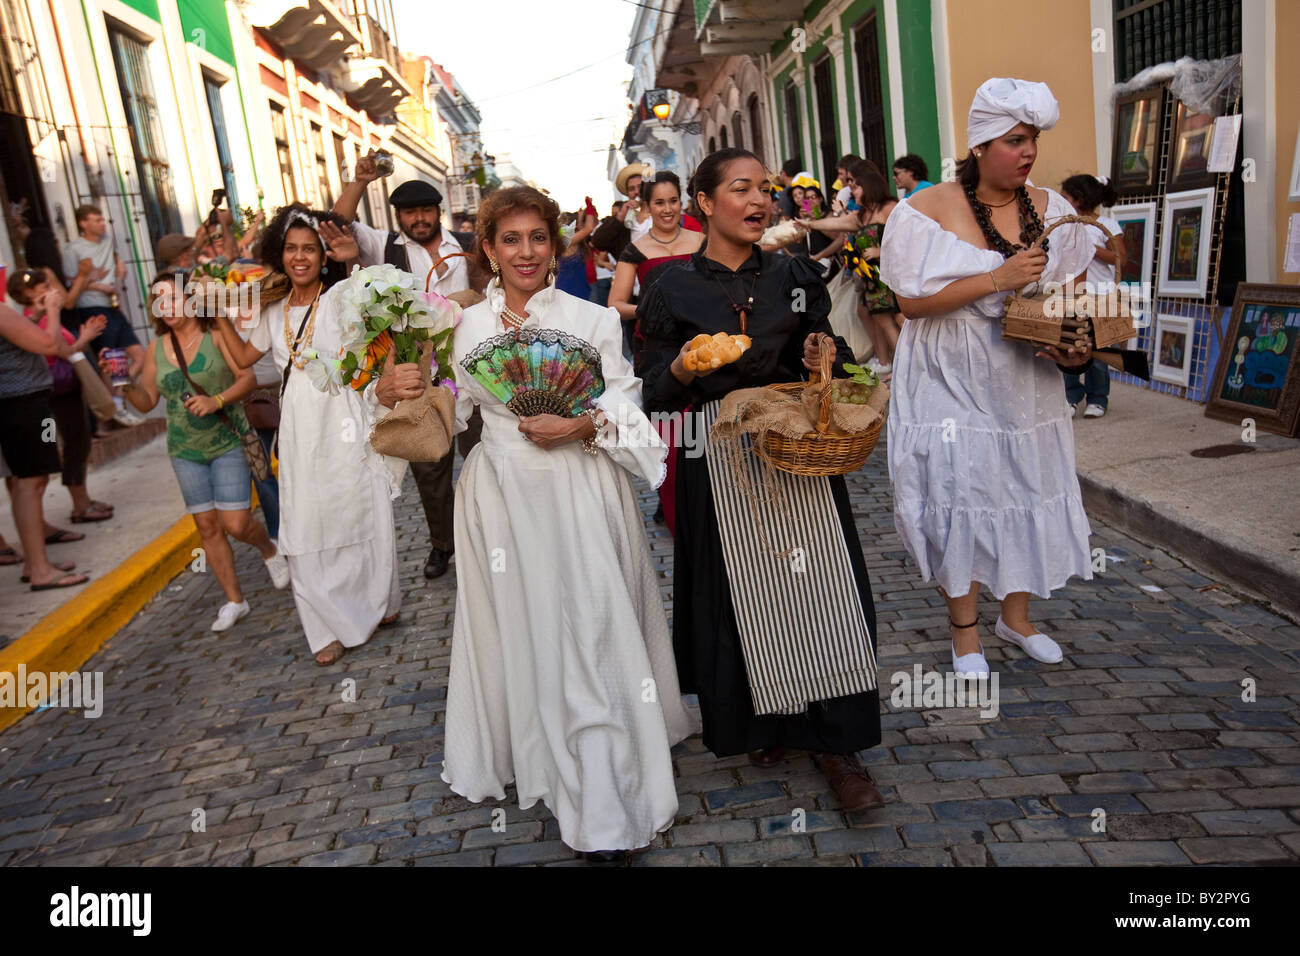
(550, 272)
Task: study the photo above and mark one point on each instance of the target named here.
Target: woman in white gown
(336, 513)
(562, 674)
(981, 449)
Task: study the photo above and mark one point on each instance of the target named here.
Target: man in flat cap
(421, 247)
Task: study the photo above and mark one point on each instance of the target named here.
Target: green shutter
(205, 25)
(921, 112)
(148, 7)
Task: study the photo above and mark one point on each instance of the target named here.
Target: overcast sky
(504, 52)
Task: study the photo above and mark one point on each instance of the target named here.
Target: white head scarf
(1002, 104)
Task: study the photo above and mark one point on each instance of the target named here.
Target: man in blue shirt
(911, 174)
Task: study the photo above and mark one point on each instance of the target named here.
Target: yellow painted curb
(69, 635)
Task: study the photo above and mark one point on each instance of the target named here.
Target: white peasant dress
(981, 446)
(562, 671)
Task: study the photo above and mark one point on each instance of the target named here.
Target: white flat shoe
(1038, 646)
(971, 666)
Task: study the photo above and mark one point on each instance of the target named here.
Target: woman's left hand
(1070, 358)
(812, 350)
(550, 431)
(200, 405)
(342, 244)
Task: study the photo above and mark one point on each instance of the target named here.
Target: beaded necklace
(302, 344)
(742, 311)
(1031, 227)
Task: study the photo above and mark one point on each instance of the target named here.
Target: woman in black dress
(753, 612)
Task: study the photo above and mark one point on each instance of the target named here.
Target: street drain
(1222, 451)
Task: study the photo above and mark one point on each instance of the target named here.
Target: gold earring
(496, 269)
(550, 273)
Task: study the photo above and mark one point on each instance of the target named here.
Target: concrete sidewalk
(146, 501)
(1234, 518)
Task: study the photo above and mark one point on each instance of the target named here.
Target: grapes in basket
(855, 390)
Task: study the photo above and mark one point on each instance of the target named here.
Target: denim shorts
(223, 483)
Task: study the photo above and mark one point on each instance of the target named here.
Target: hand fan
(538, 371)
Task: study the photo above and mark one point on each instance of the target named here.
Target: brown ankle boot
(850, 782)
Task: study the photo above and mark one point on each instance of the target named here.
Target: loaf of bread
(708, 352)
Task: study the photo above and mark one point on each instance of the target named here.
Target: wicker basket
(818, 453)
(1099, 319)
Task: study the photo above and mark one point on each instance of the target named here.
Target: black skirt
(706, 640)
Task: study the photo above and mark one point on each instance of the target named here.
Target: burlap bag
(847, 419)
(419, 429)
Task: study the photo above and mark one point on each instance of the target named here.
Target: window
(736, 139)
(326, 194)
(866, 56)
(340, 154)
(131, 60)
(828, 144)
(792, 148)
(722, 135)
(755, 127)
(1148, 32)
(713, 145)
(213, 89)
(280, 131)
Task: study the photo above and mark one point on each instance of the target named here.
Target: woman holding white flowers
(336, 516)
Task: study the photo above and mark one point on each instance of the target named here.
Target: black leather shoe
(436, 566)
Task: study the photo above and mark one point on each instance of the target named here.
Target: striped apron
(803, 633)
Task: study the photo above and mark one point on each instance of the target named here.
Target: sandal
(334, 650)
(10, 556)
(64, 566)
(93, 513)
(63, 536)
(390, 620)
(101, 505)
(67, 581)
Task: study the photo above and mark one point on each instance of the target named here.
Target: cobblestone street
(1144, 720)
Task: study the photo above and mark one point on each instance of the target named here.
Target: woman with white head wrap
(981, 450)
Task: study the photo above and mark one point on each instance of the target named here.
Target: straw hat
(627, 172)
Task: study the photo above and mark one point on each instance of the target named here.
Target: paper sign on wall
(1291, 262)
(1223, 144)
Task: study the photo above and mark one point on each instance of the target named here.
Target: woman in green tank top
(207, 454)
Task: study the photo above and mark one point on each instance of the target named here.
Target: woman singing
(748, 626)
(981, 452)
(562, 677)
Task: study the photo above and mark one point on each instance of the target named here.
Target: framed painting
(1258, 372)
(1190, 145)
(1135, 143)
(1186, 230)
(1137, 223)
(1174, 339)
